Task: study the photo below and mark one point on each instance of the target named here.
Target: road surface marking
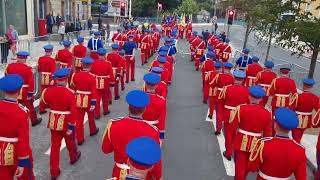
(63, 143)
(229, 165)
(208, 119)
(36, 103)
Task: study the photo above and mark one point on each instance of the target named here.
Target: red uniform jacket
(232, 96)
(304, 104)
(166, 70)
(207, 66)
(64, 57)
(84, 85)
(225, 53)
(282, 88)
(156, 111)
(14, 120)
(212, 41)
(145, 41)
(116, 62)
(119, 133)
(251, 71)
(253, 122)
(46, 68)
(278, 157)
(222, 80)
(103, 73)
(200, 46)
(25, 72)
(80, 51)
(62, 104)
(219, 47)
(211, 80)
(264, 79)
(161, 89)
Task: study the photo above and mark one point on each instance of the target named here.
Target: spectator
(99, 23)
(59, 20)
(78, 25)
(13, 35)
(62, 31)
(108, 29)
(103, 32)
(223, 36)
(50, 23)
(5, 46)
(205, 35)
(90, 24)
(215, 23)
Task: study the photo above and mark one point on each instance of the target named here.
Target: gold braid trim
(294, 100)
(108, 128)
(257, 151)
(235, 113)
(222, 95)
(316, 119)
(42, 96)
(215, 79)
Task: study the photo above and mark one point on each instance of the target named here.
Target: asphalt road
(190, 151)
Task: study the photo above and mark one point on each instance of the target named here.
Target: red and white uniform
(63, 113)
(118, 134)
(225, 54)
(79, 52)
(117, 65)
(252, 71)
(264, 79)
(207, 67)
(84, 85)
(15, 140)
(249, 132)
(64, 58)
(25, 72)
(104, 79)
(303, 104)
(46, 68)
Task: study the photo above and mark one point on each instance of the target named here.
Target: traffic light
(231, 14)
(122, 9)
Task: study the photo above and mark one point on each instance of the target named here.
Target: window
(13, 12)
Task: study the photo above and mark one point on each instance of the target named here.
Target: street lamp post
(130, 8)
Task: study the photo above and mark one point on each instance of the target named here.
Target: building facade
(311, 6)
(20, 14)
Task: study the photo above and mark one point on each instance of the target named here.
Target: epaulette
(161, 97)
(298, 144)
(24, 108)
(266, 139)
(117, 119)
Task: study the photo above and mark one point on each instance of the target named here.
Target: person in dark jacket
(4, 48)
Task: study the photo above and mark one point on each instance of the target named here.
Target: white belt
(78, 57)
(251, 77)
(25, 85)
(152, 122)
(83, 92)
(220, 89)
(264, 176)
(9, 140)
(265, 85)
(48, 73)
(128, 55)
(249, 133)
(102, 76)
(60, 112)
(282, 95)
(304, 113)
(122, 166)
(63, 63)
(230, 107)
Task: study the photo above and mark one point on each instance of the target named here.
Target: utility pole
(215, 7)
(130, 8)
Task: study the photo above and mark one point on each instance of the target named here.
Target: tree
(143, 8)
(188, 7)
(301, 33)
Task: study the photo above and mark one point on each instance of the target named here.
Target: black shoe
(204, 102)
(217, 133)
(97, 117)
(95, 132)
(80, 143)
(106, 113)
(122, 89)
(43, 112)
(116, 98)
(110, 102)
(38, 122)
(54, 178)
(78, 157)
(132, 80)
(209, 116)
(228, 158)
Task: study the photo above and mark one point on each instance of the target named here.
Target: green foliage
(99, 1)
(188, 7)
(143, 8)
